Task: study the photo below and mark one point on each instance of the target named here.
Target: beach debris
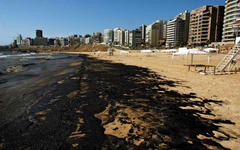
(73, 94)
(60, 82)
(75, 78)
(15, 69)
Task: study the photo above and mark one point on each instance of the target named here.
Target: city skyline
(62, 18)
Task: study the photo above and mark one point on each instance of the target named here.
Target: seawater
(12, 62)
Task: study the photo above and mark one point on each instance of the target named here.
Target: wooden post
(208, 59)
(214, 70)
(205, 69)
(191, 59)
(189, 68)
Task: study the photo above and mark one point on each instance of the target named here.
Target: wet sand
(114, 102)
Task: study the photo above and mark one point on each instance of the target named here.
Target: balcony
(234, 1)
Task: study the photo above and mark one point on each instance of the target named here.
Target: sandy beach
(129, 102)
(222, 88)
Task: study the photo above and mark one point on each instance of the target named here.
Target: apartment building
(158, 32)
(135, 38)
(232, 14)
(178, 30)
(143, 30)
(126, 39)
(206, 25)
(108, 36)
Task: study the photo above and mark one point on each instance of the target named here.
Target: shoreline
(124, 102)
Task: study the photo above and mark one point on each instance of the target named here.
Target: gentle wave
(16, 55)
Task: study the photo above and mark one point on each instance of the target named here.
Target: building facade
(126, 39)
(116, 36)
(232, 14)
(108, 36)
(27, 42)
(178, 30)
(121, 37)
(135, 38)
(148, 34)
(206, 25)
(97, 37)
(143, 30)
(158, 33)
(19, 39)
(39, 33)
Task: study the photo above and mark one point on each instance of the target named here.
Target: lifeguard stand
(231, 59)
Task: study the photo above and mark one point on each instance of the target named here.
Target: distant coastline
(50, 49)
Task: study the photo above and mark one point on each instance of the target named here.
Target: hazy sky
(67, 17)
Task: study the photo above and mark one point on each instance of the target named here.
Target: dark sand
(96, 104)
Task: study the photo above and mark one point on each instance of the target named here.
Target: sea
(13, 62)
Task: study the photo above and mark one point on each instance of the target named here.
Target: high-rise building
(39, 33)
(148, 34)
(126, 39)
(143, 30)
(158, 32)
(108, 36)
(135, 38)
(27, 42)
(232, 14)
(121, 36)
(97, 37)
(51, 41)
(206, 25)
(19, 39)
(116, 36)
(40, 40)
(178, 30)
(65, 41)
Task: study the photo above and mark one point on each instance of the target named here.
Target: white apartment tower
(232, 14)
(108, 36)
(178, 30)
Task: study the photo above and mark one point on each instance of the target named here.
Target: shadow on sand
(116, 106)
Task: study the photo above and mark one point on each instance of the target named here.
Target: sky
(59, 18)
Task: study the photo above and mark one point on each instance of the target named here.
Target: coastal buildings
(232, 14)
(158, 33)
(135, 38)
(148, 34)
(201, 26)
(126, 39)
(88, 40)
(64, 41)
(19, 39)
(51, 41)
(108, 36)
(143, 30)
(115, 36)
(121, 36)
(39, 33)
(178, 30)
(27, 42)
(97, 37)
(40, 40)
(206, 25)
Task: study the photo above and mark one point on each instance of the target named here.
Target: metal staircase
(233, 55)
